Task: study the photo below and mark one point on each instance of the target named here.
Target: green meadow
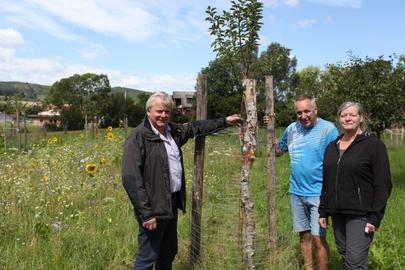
(62, 206)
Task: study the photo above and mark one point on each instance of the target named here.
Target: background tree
(224, 93)
(79, 95)
(278, 62)
(115, 109)
(378, 84)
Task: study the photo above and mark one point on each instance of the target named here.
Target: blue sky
(162, 44)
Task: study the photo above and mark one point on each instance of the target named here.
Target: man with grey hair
(306, 140)
(153, 177)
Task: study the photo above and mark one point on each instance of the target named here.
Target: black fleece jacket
(358, 182)
(145, 166)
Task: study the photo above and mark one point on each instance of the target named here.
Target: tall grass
(55, 215)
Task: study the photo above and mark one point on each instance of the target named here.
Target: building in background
(183, 101)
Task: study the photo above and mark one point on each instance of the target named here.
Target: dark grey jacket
(358, 182)
(145, 167)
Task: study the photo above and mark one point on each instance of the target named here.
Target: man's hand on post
(234, 119)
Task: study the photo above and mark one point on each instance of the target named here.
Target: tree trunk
(197, 189)
(249, 146)
(271, 157)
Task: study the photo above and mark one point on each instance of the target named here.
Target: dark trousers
(158, 247)
(352, 242)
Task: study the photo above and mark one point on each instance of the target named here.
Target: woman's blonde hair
(360, 110)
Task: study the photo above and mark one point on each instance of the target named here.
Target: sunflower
(110, 129)
(110, 136)
(91, 168)
(50, 141)
(54, 139)
(103, 161)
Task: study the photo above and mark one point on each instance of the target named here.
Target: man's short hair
(165, 98)
(306, 97)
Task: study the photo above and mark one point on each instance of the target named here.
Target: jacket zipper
(337, 172)
(337, 180)
(359, 195)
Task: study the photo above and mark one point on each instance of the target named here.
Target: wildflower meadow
(62, 206)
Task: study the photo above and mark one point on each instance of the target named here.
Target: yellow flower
(46, 178)
(110, 136)
(103, 161)
(81, 135)
(110, 129)
(91, 168)
(50, 141)
(54, 139)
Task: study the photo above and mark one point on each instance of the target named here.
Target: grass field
(55, 215)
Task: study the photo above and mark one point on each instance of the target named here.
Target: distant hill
(132, 93)
(34, 92)
(27, 91)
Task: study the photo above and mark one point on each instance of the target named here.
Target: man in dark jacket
(153, 177)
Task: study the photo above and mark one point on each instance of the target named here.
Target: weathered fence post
(25, 133)
(197, 189)
(249, 143)
(18, 134)
(4, 131)
(125, 113)
(271, 157)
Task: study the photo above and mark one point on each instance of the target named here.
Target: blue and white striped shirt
(306, 147)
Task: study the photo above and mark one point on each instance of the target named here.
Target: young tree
(236, 41)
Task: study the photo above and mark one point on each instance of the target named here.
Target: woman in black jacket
(356, 187)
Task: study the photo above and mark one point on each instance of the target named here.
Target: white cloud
(277, 3)
(132, 20)
(271, 3)
(6, 54)
(340, 3)
(291, 3)
(47, 71)
(163, 82)
(27, 15)
(305, 22)
(93, 52)
(10, 38)
(328, 20)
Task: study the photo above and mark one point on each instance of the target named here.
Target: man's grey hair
(360, 110)
(307, 97)
(165, 98)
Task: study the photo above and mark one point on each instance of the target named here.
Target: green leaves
(236, 33)
(78, 95)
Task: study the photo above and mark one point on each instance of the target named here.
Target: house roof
(49, 113)
(6, 117)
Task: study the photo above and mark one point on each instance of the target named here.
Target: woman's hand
(323, 222)
(370, 228)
